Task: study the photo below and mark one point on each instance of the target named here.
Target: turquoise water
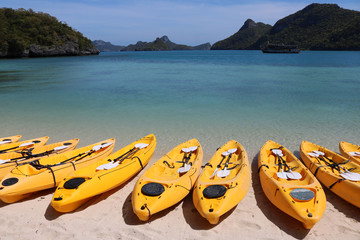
(213, 96)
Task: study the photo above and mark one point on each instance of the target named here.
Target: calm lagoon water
(213, 96)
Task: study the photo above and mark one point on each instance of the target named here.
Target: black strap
(207, 164)
(142, 167)
(145, 206)
(124, 154)
(317, 169)
(236, 165)
(80, 155)
(344, 162)
(28, 155)
(73, 164)
(53, 174)
(168, 164)
(338, 181)
(262, 165)
(36, 164)
(5, 150)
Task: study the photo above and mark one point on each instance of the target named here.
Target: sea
(214, 96)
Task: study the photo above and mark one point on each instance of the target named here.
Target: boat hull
(164, 174)
(26, 179)
(5, 168)
(100, 181)
(281, 191)
(346, 189)
(345, 149)
(237, 183)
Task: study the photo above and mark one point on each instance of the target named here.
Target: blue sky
(189, 22)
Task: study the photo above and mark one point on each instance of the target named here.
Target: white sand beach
(110, 216)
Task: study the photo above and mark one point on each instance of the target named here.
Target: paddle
(121, 158)
(225, 172)
(346, 175)
(59, 148)
(21, 145)
(5, 141)
(224, 154)
(355, 154)
(186, 167)
(87, 153)
(289, 174)
(281, 174)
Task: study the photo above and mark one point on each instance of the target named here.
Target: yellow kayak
(333, 170)
(350, 151)
(289, 185)
(12, 159)
(48, 172)
(223, 183)
(7, 140)
(168, 180)
(103, 175)
(20, 146)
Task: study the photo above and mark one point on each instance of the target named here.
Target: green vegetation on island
(25, 33)
(316, 27)
(163, 44)
(106, 46)
(248, 34)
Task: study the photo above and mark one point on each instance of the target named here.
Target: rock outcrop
(106, 46)
(25, 33)
(163, 44)
(247, 35)
(316, 27)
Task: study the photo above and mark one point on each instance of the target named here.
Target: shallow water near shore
(213, 96)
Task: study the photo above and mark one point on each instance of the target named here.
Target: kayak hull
(236, 184)
(6, 167)
(346, 189)
(303, 199)
(165, 176)
(100, 181)
(345, 149)
(26, 179)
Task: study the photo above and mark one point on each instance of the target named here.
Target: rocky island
(316, 27)
(107, 46)
(163, 44)
(25, 33)
(248, 34)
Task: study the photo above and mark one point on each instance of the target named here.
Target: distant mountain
(248, 34)
(316, 27)
(25, 33)
(106, 46)
(163, 44)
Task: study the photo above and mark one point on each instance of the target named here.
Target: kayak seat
(152, 189)
(74, 183)
(214, 191)
(302, 194)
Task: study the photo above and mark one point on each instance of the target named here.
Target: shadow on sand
(193, 217)
(40, 195)
(286, 223)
